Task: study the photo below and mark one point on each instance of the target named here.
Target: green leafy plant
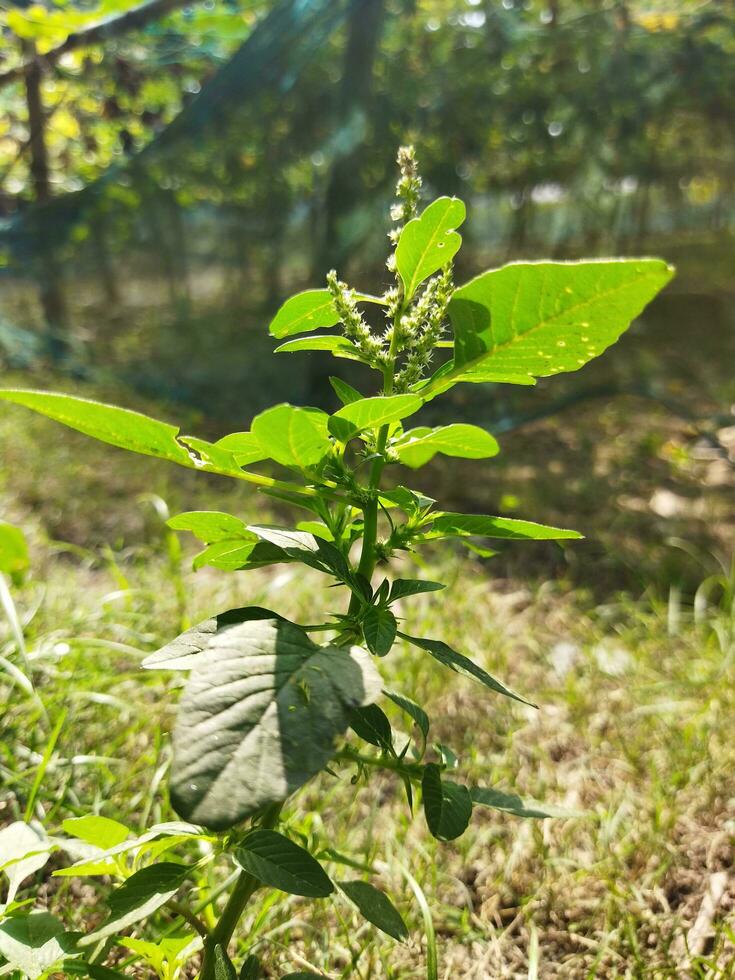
(269, 702)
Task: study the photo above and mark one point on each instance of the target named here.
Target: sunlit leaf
(429, 242)
(293, 436)
(371, 413)
(480, 525)
(418, 446)
(311, 310)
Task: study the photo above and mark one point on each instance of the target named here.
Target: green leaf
(376, 907)
(465, 441)
(98, 831)
(14, 558)
(513, 804)
(372, 725)
(346, 393)
(412, 709)
(302, 975)
(379, 629)
(429, 242)
(535, 319)
(463, 665)
(223, 968)
(251, 969)
(210, 525)
(259, 715)
(35, 943)
(278, 862)
(238, 554)
(293, 436)
(371, 413)
(80, 968)
(480, 525)
(23, 851)
(339, 346)
(140, 895)
(447, 805)
(312, 309)
(127, 430)
(401, 588)
(244, 446)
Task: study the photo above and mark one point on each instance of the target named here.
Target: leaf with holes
(429, 242)
(535, 319)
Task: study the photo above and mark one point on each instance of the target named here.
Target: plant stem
(245, 886)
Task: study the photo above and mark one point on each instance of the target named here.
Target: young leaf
(379, 629)
(98, 831)
(512, 803)
(35, 943)
(278, 862)
(371, 724)
(480, 525)
(376, 907)
(536, 319)
(462, 665)
(293, 436)
(259, 716)
(429, 242)
(339, 346)
(139, 896)
(371, 413)
(447, 805)
(312, 309)
(346, 393)
(210, 525)
(401, 588)
(412, 709)
(466, 441)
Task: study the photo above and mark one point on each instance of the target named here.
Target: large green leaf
(127, 430)
(311, 310)
(34, 943)
(534, 319)
(278, 862)
(447, 805)
(371, 413)
(376, 907)
(442, 652)
(138, 897)
(260, 714)
(418, 446)
(429, 242)
(244, 446)
(293, 436)
(480, 525)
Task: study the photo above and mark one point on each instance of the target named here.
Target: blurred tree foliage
(221, 153)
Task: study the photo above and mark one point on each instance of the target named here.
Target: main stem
(240, 895)
(368, 557)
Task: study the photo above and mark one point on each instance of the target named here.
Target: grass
(634, 728)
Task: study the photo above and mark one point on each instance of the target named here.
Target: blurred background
(170, 172)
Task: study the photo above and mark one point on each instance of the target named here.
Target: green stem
(245, 886)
